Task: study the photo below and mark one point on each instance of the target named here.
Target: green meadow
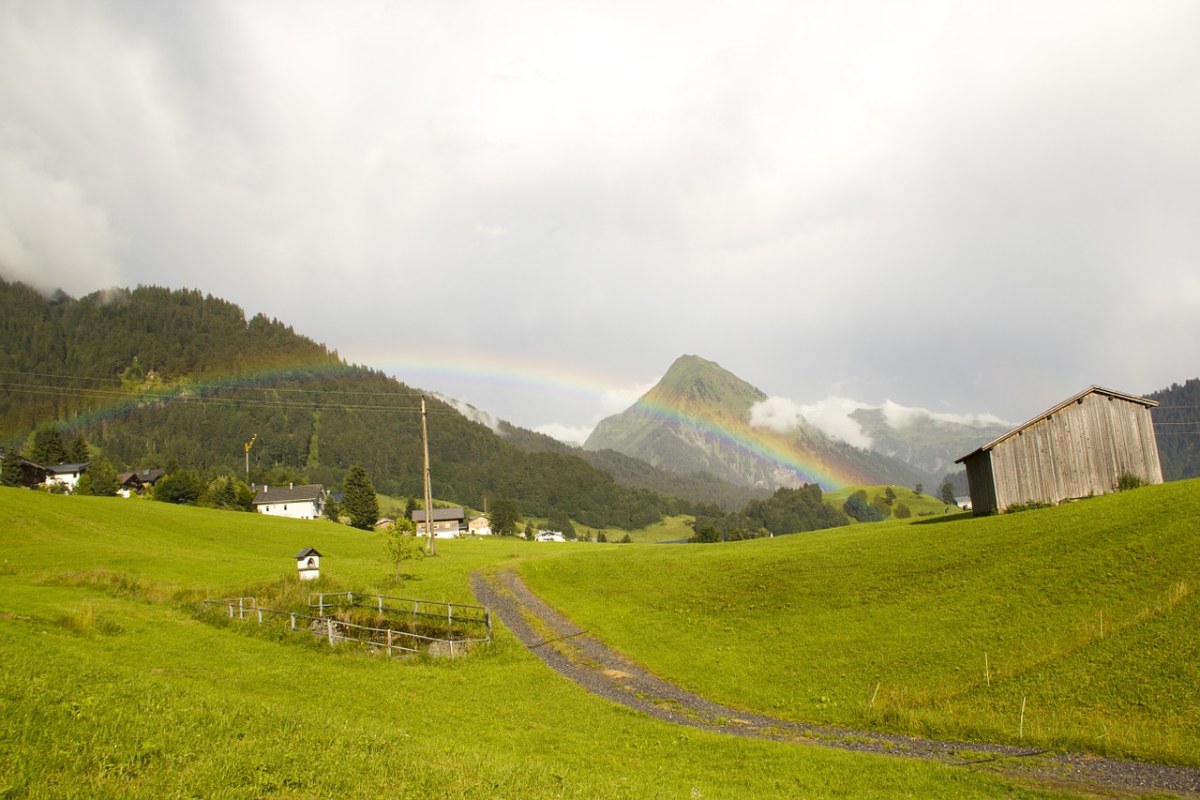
(1084, 617)
(112, 685)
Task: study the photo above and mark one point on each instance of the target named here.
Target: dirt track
(582, 658)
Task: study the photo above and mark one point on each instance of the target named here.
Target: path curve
(582, 658)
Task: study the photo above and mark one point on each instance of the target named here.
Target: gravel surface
(582, 658)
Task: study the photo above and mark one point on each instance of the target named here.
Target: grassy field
(111, 686)
(1084, 615)
(921, 505)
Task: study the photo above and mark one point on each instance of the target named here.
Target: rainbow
(761, 445)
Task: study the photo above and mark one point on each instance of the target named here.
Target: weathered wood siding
(980, 483)
(1080, 449)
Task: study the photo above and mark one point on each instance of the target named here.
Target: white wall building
(297, 502)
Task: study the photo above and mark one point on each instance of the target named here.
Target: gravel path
(584, 659)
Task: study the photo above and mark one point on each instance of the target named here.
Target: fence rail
(393, 641)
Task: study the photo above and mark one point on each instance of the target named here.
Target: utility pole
(248, 445)
(430, 540)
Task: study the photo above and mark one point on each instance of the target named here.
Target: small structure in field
(308, 563)
(1085, 445)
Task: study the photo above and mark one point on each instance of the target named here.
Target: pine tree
(11, 473)
(358, 499)
(77, 451)
(48, 447)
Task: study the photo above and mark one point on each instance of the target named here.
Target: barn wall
(1079, 450)
(980, 483)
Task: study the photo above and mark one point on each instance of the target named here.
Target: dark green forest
(175, 379)
(1177, 429)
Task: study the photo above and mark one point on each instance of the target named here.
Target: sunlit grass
(1085, 612)
(111, 686)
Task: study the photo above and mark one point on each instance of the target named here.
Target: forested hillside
(155, 377)
(1177, 428)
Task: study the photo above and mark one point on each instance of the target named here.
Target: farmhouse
(65, 475)
(138, 482)
(298, 502)
(480, 526)
(1080, 447)
(446, 522)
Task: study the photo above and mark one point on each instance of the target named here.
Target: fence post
(320, 604)
(379, 597)
(350, 598)
(293, 616)
(389, 642)
(241, 609)
(260, 616)
(329, 630)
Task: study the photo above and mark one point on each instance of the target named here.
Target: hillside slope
(161, 378)
(1085, 615)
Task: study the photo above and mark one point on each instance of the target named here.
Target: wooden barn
(1080, 447)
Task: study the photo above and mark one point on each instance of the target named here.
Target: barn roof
(1076, 398)
(440, 514)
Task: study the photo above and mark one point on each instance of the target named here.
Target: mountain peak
(697, 418)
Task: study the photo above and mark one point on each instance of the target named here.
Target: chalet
(298, 502)
(446, 522)
(138, 482)
(550, 536)
(65, 475)
(480, 526)
(1080, 447)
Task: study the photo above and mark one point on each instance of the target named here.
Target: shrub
(1128, 481)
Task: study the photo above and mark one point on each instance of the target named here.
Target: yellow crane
(249, 444)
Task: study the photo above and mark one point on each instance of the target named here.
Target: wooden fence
(464, 625)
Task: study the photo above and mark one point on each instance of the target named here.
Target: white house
(480, 526)
(297, 502)
(550, 536)
(66, 475)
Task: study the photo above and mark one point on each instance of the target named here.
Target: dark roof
(306, 552)
(287, 494)
(440, 514)
(1076, 398)
(142, 476)
(59, 469)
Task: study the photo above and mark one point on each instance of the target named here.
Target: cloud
(831, 416)
(899, 416)
(471, 412)
(568, 434)
(51, 234)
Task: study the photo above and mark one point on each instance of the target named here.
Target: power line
(183, 398)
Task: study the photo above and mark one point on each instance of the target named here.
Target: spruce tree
(358, 499)
(10, 469)
(48, 447)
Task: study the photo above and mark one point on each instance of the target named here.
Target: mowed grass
(110, 686)
(1085, 615)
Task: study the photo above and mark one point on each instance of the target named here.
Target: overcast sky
(535, 207)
